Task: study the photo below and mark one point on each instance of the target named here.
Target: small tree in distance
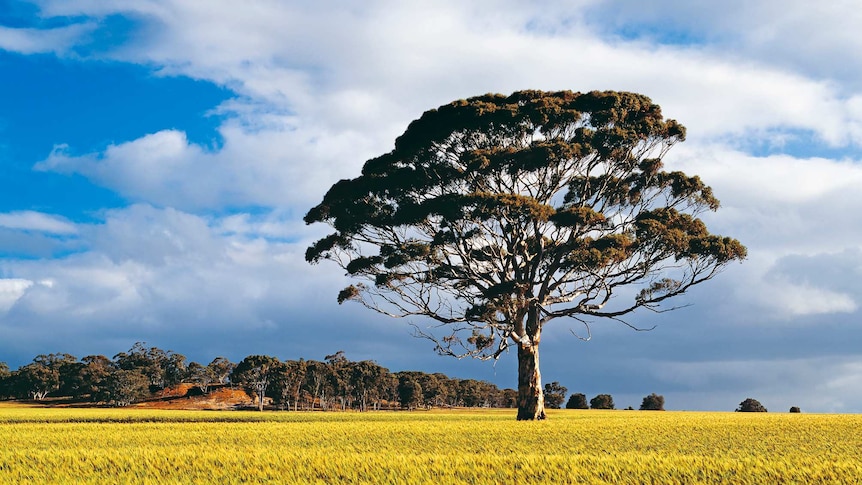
(795, 409)
(602, 401)
(255, 373)
(751, 406)
(653, 402)
(555, 394)
(577, 401)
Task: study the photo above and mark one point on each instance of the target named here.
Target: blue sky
(157, 156)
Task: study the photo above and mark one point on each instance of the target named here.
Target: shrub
(653, 402)
(577, 401)
(602, 401)
(795, 409)
(751, 406)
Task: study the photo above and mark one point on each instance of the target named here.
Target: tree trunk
(531, 400)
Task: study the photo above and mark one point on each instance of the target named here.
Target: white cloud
(788, 33)
(322, 90)
(322, 87)
(11, 289)
(154, 265)
(383, 64)
(272, 167)
(802, 300)
(39, 41)
(37, 221)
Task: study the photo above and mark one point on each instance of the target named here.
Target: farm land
(140, 445)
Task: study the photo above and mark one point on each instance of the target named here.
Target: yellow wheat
(147, 446)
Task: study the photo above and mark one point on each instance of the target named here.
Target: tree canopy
(653, 402)
(750, 405)
(497, 214)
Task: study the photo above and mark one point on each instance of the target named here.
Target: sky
(157, 158)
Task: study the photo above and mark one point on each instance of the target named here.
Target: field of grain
(471, 447)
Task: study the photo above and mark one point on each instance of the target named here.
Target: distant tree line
(334, 383)
(555, 394)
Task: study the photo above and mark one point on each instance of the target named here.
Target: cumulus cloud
(321, 87)
(321, 90)
(274, 167)
(154, 274)
(11, 289)
(39, 41)
(37, 221)
(789, 34)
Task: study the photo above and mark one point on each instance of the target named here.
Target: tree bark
(531, 400)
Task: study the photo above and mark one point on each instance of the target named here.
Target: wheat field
(42, 445)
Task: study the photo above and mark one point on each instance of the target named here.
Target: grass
(148, 446)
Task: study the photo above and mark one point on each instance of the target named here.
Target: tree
(750, 406)
(602, 401)
(125, 386)
(255, 373)
(339, 377)
(795, 409)
(495, 215)
(409, 391)
(316, 381)
(43, 376)
(151, 362)
(555, 394)
(200, 376)
(577, 401)
(366, 379)
(175, 370)
(221, 369)
(653, 402)
(288, 383)
(5, 379)
(509, 398)
(94, 377)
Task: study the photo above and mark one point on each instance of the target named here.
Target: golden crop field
(470, 447)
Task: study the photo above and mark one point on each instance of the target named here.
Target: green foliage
(555, 394)
(126, 386)
(221, 369)
(255, 373)
(94, 377)
(577, 401)
(602, 401)
(5, 381)
(653, 402)
(751, 406)
(162, 368)
(409, 392)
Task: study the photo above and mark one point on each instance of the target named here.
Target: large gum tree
(495, 215)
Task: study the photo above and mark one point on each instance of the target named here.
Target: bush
(750, 406)
(653, 402)
(795, 409)
(602, 401)
(555, 394)
(577, 401)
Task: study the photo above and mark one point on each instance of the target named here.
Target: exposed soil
(187, 396)
(183, 396)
